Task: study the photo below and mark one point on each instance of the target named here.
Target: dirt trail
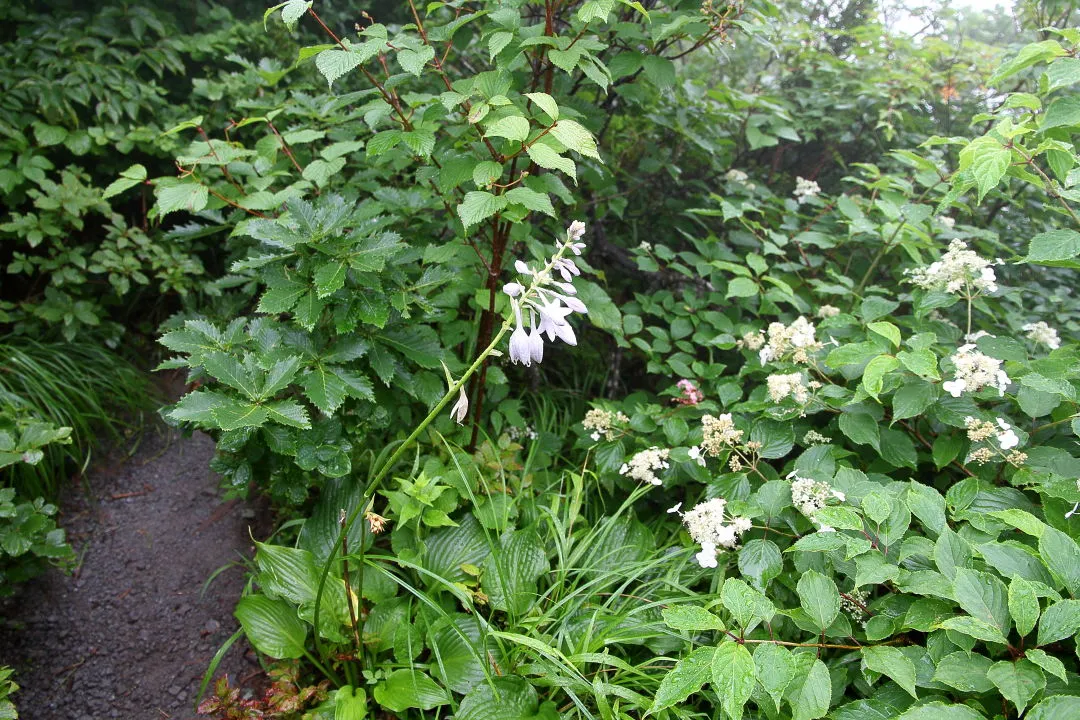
(129, 635)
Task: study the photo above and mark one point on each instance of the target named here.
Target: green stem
(539, 278)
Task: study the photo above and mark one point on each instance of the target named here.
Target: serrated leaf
(733, 676)
(819, 597)
(687, 677)
(324, 389)
(189, 197)
(288, 412)
(335, 63)
(479, 206)
(530, 199)
(330, 277)
(1059, 621)
(512, 127)
(234, 414)
(810, 693)
(546, 103)
(775, 670)
(891, 662)
(1054, 246)
(576, 137)
(548, 158)
(413, 61)
(690, 618)
(1018, 681)
(129, 178)
(987, 160)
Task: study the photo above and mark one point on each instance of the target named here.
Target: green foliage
(8, 711)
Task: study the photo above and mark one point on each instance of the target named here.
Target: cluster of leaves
(8, 711)
(80, 92)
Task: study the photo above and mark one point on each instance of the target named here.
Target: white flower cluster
(949, 222)
(643, 466)
(828, 311)
(752, 340)
(521, 433)
(979, 431)
(541, 298)
(813, 437)
(958, 270)
(719, 433)
(974, 371)
(797, 339)
(738, 176)
(854, 604)
(602, 423)
(712, 529)
(805, 189)
(791, 385)
(1042, 333)
(809, 496)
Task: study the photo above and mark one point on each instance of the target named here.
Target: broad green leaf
(1048, 662)
(691, 618)
(479, 206)
(188, 196)
(887, 330)
(760, 561)
(775, 670)
(413, 61)
(1062, 556)
(875, 372)
(272, 626)
(975, 628)
(509, 698)
(964, 671)
(576, 137)
(512, 127)
(1063, 112)
(890, 661)
(1029, 55)
(1018, 681)
(548, 158)
(687, 677)
(335, 63)
(404, 689)
(983, 596)
(531, 199)
(129, 178)
(1023, 605)
(733, 676)
(486, 172)
(940, 711)
(987, 160)
(810, 692)
(819, 597)
(1054, 246)
(1058, 707)
(748, 606)
(912, 399)
(546, 103)
(460, 658)
(511, 571)
(1059, 621)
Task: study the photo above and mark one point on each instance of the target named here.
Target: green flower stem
(539, 278)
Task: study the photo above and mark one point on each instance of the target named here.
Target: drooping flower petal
(461, 407)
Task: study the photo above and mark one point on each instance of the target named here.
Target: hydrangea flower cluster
(813, 437)
(738, 176)
(828, 311)
(521, 433)
(805, 189)
(602, 423)
(854, 604)
(791, 385)
(711, 528)
(947, 221)
(809, 496)
(691, 395)
(718, 434)
(959, 271)
(974, 371)
(797, 339)
(550, 299)
(752, 340)
(643, 465)
(981, 431)
(1043, 334)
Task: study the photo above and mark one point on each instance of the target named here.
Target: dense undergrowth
(604, 359)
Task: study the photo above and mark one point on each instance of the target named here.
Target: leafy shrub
(871, 446)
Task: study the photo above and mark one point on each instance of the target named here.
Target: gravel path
(129, 634)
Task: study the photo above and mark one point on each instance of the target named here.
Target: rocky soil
(131, 631)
